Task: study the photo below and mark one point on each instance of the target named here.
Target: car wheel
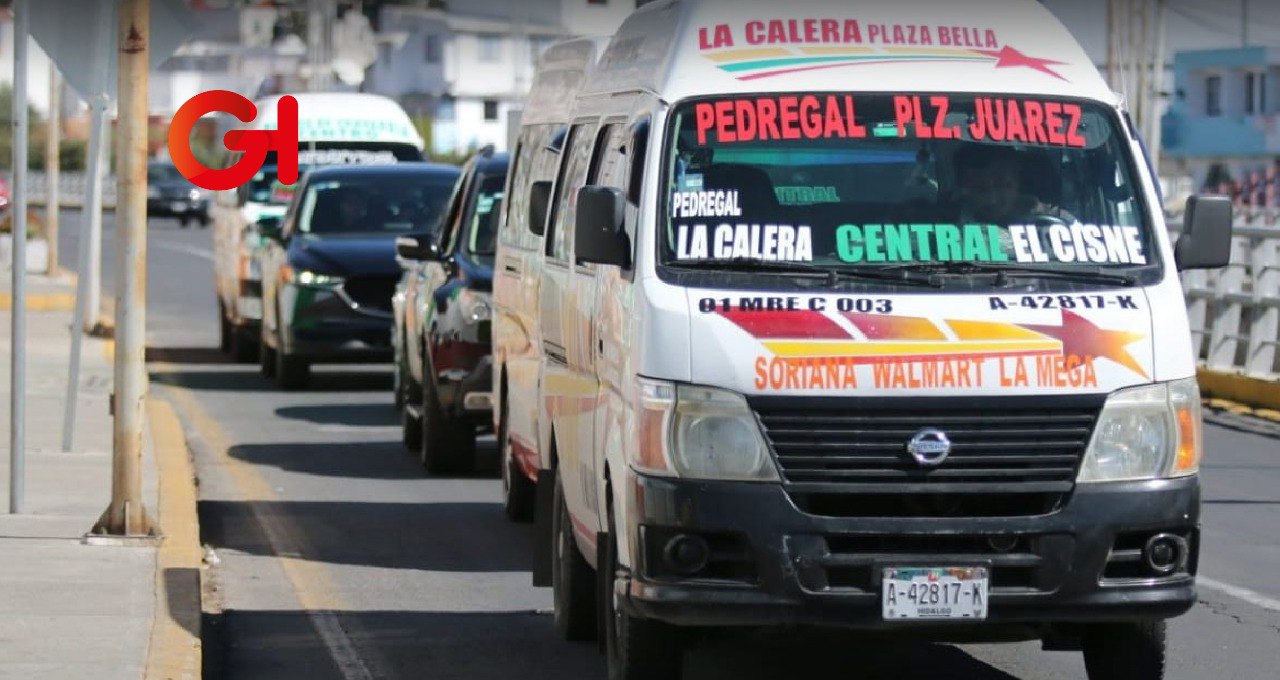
(1125, 651)
(447, 445)
(410, 429)
(635, 648)
(573, 583)
(517, 489)
(224, 330)
(204, 219)
(398, 376)
(266, 355)
(292, 373)
(183, 221)
(244, 349)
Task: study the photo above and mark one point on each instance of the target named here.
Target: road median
(1262, 397)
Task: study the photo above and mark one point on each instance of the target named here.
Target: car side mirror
(1205, 242)
(270, 227)
(539, 200)
(418, 247)
(599, 235)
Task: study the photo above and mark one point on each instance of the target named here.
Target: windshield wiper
(831, 275)
(1002, 272)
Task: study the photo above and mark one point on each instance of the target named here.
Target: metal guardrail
(71, 189)
(1235, 312)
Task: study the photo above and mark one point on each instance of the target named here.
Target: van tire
(243, 348)
(266, 356)
(224, 329)
(448, 447)
(518, 491)
(635, 648)
(573, 582)
(410, 430)
(1125, 651)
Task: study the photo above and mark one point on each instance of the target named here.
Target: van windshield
(938, 183)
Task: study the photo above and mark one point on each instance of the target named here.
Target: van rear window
(872, 180)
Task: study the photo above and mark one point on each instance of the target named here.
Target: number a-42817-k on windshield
(895, 179)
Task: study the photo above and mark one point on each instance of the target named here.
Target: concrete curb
(1262, 395)
(175, 649)
(41, 302)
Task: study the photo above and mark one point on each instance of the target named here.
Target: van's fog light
(686, 554)
(1163, 553)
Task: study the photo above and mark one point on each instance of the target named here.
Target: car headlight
(474, 306)
(303, 277)
(699, 433)
(194, 194)
(1146, 432)
(153, 192)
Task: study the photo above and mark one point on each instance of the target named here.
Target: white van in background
(854, 315)
(333, 128)
(517, 341)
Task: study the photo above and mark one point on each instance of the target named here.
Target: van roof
(344, 117)
(561, 71)
(683, 48)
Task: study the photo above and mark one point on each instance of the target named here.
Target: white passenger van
(333, 128)
(857, 315)
(517, 341)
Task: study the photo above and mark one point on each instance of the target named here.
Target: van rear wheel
(1125, 651)
(518, 491)
(573, 582)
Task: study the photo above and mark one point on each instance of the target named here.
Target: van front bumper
(774, 565)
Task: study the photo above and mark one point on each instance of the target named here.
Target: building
(467, 66)
(1223, 125)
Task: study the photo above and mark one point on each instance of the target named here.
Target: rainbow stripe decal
(766, 62)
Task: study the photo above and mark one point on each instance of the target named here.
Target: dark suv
(329, 269)
(442, 331)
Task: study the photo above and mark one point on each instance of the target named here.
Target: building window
(1213, 96)
(431, 48)
(1255, 93)
(445, 108)
(491, 110)
(490, 47)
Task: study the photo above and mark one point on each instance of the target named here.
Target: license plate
(934, 593)
(178, 206)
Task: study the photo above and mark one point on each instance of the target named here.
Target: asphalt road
(336, 557)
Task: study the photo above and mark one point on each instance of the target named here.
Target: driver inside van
(991, 189)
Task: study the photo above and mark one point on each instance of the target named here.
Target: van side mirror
(418, 246)
(270, 227)
(539, 200)
(1205, 242)
(599, 235)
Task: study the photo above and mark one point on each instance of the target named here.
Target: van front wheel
(572, 580)
(1125, 651)
(635, 648)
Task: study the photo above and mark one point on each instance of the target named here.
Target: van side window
(573, 174)
(442, 228)
(515, 178)
(613, 155)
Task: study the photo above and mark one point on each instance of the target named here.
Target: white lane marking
(1245, 594)
(202, 253)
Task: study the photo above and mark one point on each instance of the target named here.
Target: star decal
(1008, 57)
(1082, 338)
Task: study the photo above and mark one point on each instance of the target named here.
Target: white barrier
(1235, 312)
(71, 189)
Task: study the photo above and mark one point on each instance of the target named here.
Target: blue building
(1223, 124)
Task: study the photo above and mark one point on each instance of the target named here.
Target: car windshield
(164, 173)
(376, 203)
(483, 231)
(870, 181)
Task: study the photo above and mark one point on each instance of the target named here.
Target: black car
(329, 266)
(169, 194)
(444, 377)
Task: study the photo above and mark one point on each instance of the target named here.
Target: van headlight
(699, 433)
(1146, 432)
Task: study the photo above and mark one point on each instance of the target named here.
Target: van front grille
(1009, 457)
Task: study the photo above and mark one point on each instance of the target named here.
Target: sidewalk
(67, 609)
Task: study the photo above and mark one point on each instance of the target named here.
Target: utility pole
(52, 163)
(126, 516)
(18, 360)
